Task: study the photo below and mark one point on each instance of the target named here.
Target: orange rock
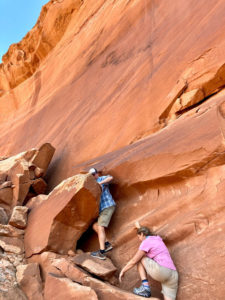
(12, 244)
(58, 288)
(35, 201)
(10, 231)
(6, 198)
(45, 261)
(18, 218)
(70, 270)
(60, 220)
(42, 159)
(39, 186)
(102, 269)
(29, 279)
(3, 216)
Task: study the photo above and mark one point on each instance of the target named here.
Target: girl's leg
(141, 271)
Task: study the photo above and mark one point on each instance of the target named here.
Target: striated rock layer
(135, 88)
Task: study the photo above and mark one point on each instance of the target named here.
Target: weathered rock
(16, 259)
(35, 201)
(6, 198)
(3, 216)
(63, 288)
(12, 294)
(29, 279)
(45, 261)
(10, 231)
(39, 186)
(42, 159)
(103, 269)
(58, 222)
(18, 218)
(12, 244)
(18, 173)
(106, 291)
(70, 270)
(7, 274)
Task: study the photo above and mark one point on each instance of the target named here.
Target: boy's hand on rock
(137, 225)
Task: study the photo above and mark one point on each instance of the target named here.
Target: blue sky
(17, 17)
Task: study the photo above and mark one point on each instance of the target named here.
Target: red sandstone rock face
(135, 88)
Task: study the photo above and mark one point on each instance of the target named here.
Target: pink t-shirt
(157, 250)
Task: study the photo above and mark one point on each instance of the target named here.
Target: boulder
(58, 222)
(39, 186)
(45, 261)
(103, 269)
(10, 231)
(29, 279)
(12, 244)
(19, 172)
(6, 198)
(42, 158)
(70, 270)
(18, 218)
(63, 288)
(3, 216)
(35, 201)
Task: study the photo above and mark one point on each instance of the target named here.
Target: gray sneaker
(142, 291)
(98, 255)
(108, 247)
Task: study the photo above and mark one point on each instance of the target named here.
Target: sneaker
(142, 291)
(98, 255)
(108, 247)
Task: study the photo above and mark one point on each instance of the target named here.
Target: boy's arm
(108, 179)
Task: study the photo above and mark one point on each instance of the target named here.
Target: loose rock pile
(38, 235)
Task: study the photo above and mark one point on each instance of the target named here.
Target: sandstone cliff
(135, 88)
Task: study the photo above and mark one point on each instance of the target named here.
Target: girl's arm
(137, 257)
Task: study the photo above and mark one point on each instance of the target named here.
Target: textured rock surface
(58, 288)
(142, 82)
(102, 269)
(29, 279)
(19, 173)
(3, 216)
(58, 222)
(18, 218)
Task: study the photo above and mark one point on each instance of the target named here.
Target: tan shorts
(167, 277)
(105, 216)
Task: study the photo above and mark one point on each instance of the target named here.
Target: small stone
(19, 217)
(3, 216)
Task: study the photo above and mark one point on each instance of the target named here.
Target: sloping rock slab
(63, 288)
(58, 222)
(103, 269)
(106, 291)
(70, 270)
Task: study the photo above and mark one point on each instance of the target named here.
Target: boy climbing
(106, 210)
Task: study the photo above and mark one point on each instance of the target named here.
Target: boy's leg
(100, 230)
(167, 298)
(101, 237)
